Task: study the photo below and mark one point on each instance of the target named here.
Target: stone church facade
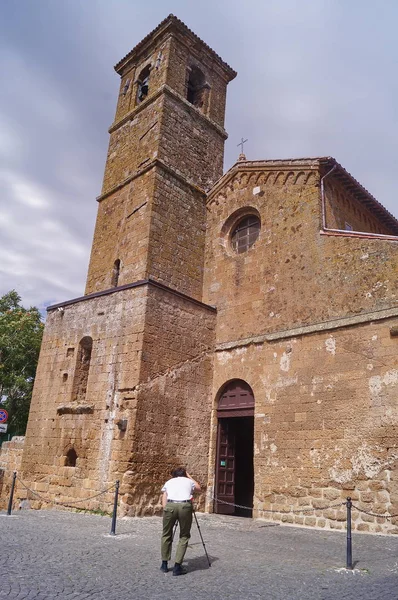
(244, 325)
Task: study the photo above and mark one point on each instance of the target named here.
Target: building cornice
(365, 317)
(128, 286)
(153, 164)
(136, 110)
(290, 167)
(358, 234)
(165, 89)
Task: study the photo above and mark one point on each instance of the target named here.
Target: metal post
(349, 539)
(114, 514)
(11, 494)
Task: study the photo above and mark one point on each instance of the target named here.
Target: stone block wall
(292, 275)
(190, 143)
(122, 233)
(162, 154)
(183, 55)
(155, 226)
(271, 285)
(303, 317)
(10, 461)
(174, 398)
(177, 234)
(134, 143)
(326, 423)
(158, 59)
(170, 55)
(147, 402)
(57, 423)
(361, 273)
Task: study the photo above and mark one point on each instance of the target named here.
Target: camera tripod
(200, 533)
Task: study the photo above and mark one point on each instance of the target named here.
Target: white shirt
(179, 488)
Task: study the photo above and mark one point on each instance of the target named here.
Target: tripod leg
(200, 533)
(174, 531)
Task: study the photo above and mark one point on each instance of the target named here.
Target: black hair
(179, 472)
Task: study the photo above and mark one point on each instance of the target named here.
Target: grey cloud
(314, 78)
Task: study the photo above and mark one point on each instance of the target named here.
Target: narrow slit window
(82, 369)
(115, 273)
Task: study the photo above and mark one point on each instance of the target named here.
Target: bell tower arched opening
(234, 457)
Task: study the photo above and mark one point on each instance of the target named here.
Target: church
(244, 325)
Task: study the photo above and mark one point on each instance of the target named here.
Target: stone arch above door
(236, 399)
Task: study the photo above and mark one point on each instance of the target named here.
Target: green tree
(21, 332)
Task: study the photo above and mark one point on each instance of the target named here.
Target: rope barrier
(216, 499)
(300, 510)
(229, 503)
(268, 510)
(349, 505)
(112, 487)
(373, 514)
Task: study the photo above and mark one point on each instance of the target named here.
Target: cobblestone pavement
(55, 554)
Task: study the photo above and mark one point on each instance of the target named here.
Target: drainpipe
(323, 197)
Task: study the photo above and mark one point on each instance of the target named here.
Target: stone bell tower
(166, 149)
(123, 386)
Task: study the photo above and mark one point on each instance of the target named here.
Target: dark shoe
(179, 570)
(163, 567)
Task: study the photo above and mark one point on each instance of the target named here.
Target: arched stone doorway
(234, 457)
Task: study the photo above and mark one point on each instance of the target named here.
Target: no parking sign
(3, 415)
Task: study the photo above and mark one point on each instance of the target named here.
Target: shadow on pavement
(199, 563)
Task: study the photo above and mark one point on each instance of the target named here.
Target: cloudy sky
(315, 78)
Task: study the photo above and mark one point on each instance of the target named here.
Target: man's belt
(178, 501)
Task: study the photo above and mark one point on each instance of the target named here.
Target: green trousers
(181, 512)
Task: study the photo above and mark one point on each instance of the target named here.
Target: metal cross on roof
(242, 141)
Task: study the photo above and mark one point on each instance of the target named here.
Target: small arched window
(143, 84)
(115, 273)
(245, 233)
(196, 87)
(71, 458)
(82, 368)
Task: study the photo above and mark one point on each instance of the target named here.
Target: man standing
(177, 506)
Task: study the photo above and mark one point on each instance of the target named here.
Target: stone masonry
(124, 378)
(10, 462)
(279, 275)
(306, 318)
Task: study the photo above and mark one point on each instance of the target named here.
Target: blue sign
(3, 415)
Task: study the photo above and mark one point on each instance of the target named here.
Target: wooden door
(236, 401)
(225, 472)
